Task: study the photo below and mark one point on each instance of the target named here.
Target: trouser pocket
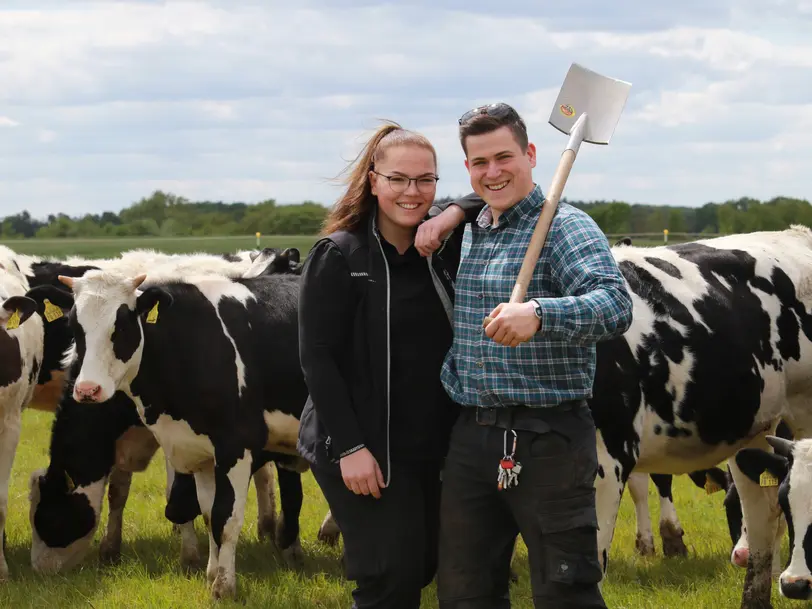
(569, 539)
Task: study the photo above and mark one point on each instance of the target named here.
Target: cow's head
(106, 323)
(16, 310)
(791, 468)
(63, 519)
(270, 261)
(53, 306)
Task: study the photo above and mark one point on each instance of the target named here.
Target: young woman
(375, 323)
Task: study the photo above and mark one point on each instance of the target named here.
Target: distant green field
(102, 248)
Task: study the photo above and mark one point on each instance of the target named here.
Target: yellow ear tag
(52, 312)
(767, 479)
(13, 321)
(711, 486)
(152, 316)
(69, 480)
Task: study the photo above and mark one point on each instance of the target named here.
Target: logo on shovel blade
(566, 109)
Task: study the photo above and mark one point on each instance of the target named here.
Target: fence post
(258, 235)
(665, 235)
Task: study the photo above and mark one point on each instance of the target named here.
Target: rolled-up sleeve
(596, 304)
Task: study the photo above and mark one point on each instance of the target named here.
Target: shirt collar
(530, 203)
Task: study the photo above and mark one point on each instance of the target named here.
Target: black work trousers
(553, 507)
(390, 544)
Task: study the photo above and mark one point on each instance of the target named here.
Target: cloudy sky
(102, 103)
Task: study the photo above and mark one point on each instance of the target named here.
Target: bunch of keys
(509, 468)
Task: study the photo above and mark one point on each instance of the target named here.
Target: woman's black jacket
(344, 340)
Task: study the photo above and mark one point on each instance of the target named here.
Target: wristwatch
(537, 308)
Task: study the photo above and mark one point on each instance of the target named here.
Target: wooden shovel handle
(548, 210)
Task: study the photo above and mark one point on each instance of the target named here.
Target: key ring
(504, 443)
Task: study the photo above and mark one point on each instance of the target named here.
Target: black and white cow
(21, 337)
(91, 447)
(789, 470)
(719, 350)
(733, 513)
(212, 365)
(50, 552)
(670, 528)
(41, 272)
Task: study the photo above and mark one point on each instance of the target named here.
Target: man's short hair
(491, 117)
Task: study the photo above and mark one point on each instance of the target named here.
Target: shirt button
(479, 364)
(480, 296)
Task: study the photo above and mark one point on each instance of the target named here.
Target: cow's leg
(118, 491)
(609, 485)
(671, 531)
(170, 481)
(182, 507)
(638, 488)
(287, 528)
(204, 483)
(9, 438)
(329, 531)
(266, 502)
(232, 478)
(760, 513)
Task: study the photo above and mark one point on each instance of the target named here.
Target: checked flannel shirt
(583, 300)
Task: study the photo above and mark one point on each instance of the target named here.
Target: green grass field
(149, 575)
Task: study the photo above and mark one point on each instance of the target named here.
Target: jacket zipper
(388, 358)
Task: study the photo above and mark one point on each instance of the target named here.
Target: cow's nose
(87, 391)
(796, 588)
(740, 556)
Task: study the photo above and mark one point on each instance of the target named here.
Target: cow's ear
(292, 254)
(52, 302)
(152, 301)
(762, 467)
(16, 310)
(712, 480)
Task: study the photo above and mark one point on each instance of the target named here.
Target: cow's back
(223, 354)
(720, 336)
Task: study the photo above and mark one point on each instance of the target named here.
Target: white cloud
(255, 100)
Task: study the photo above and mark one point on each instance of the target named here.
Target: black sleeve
(471, 204)
(325, 324)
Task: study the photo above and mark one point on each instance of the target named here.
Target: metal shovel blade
(600, 97)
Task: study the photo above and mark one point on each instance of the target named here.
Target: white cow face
(791, 466)
(107, 331)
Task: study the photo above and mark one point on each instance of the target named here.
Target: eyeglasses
(497, 110)
(399, 184)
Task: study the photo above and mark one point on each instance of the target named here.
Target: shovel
(587, 109)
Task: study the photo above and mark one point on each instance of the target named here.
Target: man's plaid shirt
(583, 300)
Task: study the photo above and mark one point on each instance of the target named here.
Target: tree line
(169, 215)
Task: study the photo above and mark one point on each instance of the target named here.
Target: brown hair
(485, 123)
(357, 200)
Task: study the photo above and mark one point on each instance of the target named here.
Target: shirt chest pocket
(500, 275)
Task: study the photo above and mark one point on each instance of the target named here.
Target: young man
(523, 381)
